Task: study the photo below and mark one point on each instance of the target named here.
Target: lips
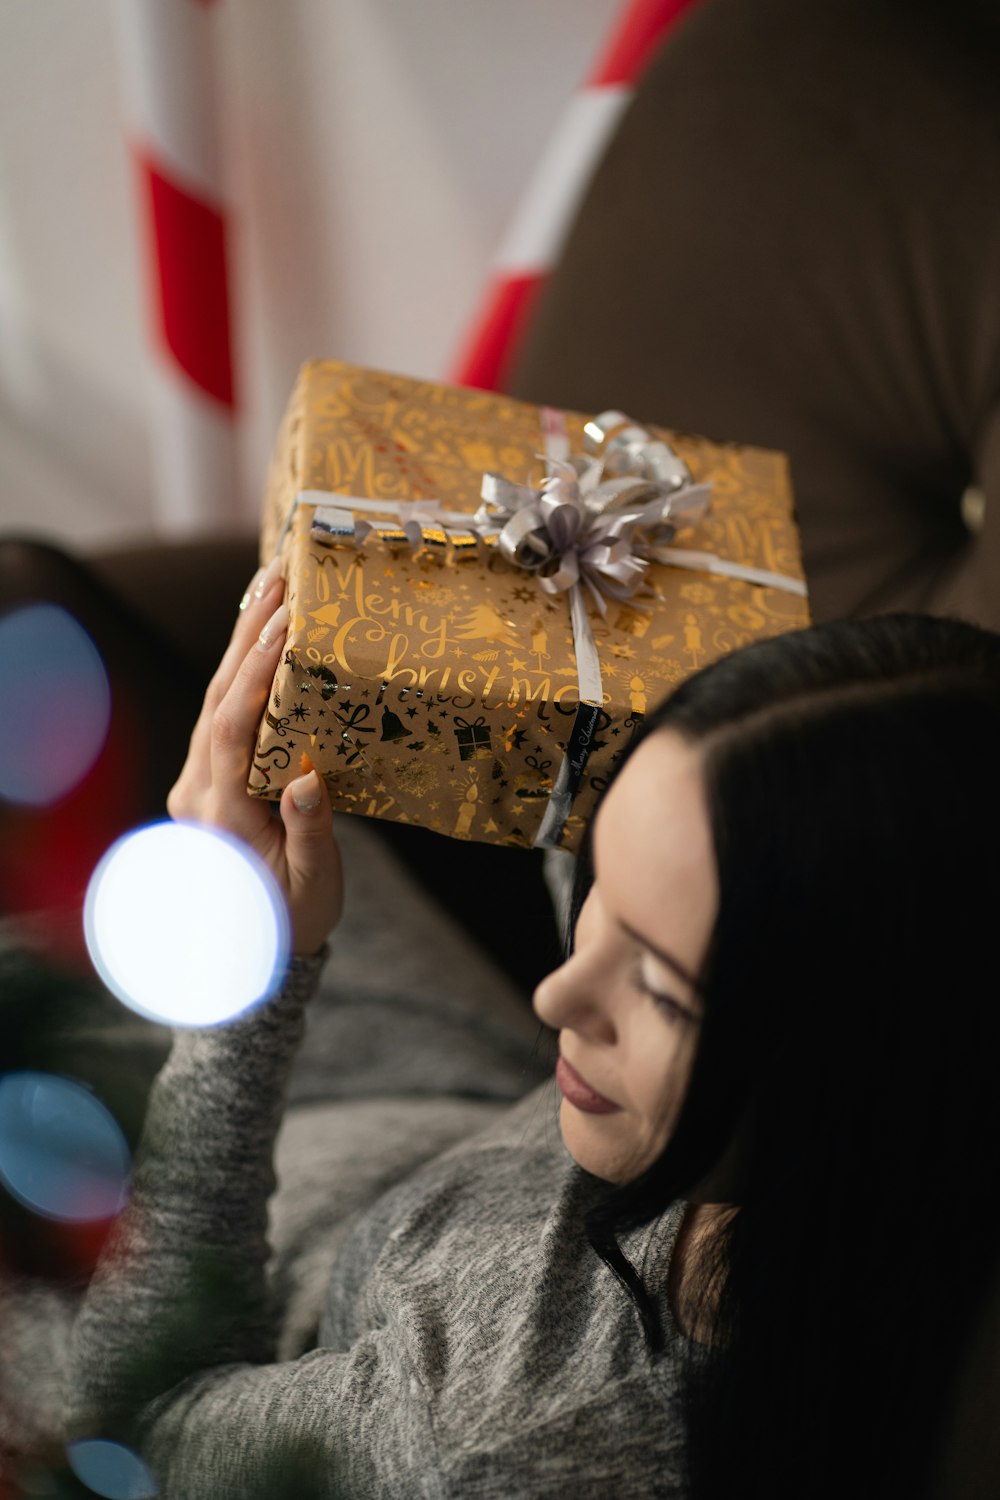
(579, 1093)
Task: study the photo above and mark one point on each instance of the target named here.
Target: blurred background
(766, 223)
(791, 238)
(365, 158)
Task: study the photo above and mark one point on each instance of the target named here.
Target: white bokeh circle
(185, 924)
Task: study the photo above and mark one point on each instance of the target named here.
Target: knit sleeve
(330, 1425)
(346, 1426)
(182, 1284)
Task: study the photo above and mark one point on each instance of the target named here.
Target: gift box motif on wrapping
(473, 739)
(441, 686)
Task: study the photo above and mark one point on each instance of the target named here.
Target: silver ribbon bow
(599, 518)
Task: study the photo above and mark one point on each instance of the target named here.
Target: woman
(777, 1034)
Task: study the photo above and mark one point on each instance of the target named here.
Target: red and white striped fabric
(171, 100)
(547, 210)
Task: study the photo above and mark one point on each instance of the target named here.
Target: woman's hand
(299, 847)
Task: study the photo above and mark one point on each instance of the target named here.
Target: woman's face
(626, 1005)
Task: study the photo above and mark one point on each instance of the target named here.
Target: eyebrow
(663, 956)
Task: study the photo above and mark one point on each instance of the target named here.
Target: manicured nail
(307, 792)
(250, 588)
(267, 577)
(276, 626)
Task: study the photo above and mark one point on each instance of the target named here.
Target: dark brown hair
(850, 1045)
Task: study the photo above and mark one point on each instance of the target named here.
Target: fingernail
(307, 792)
(267, 577)
(250, 588)
(276, 625)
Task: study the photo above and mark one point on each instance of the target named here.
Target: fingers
(235, 721)
(259, 584)
(194, 782)
(257, 605)
(312, 859)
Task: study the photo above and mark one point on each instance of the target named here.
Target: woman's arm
(173, 1352)
(181, 1286)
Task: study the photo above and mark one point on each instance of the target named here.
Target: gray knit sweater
(469, 1344)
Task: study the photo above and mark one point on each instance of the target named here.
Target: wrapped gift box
(439, 683)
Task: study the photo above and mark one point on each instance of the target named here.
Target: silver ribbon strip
(708, 562)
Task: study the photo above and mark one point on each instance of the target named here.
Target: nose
(577, 996)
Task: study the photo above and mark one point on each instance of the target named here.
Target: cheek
(661, 1056)
(617, 1148)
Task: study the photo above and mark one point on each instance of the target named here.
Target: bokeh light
(185, 924)
(110, 1469)
(62, 1153)
(56, 704)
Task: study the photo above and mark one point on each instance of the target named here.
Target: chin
(582, 1136)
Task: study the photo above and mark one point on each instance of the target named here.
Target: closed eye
(671, 1008)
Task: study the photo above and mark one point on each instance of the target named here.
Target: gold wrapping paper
(441, 690)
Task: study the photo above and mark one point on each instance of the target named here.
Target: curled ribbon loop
(598, 518)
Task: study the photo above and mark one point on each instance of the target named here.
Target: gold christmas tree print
(484, 623)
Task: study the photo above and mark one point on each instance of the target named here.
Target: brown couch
(794, 240)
